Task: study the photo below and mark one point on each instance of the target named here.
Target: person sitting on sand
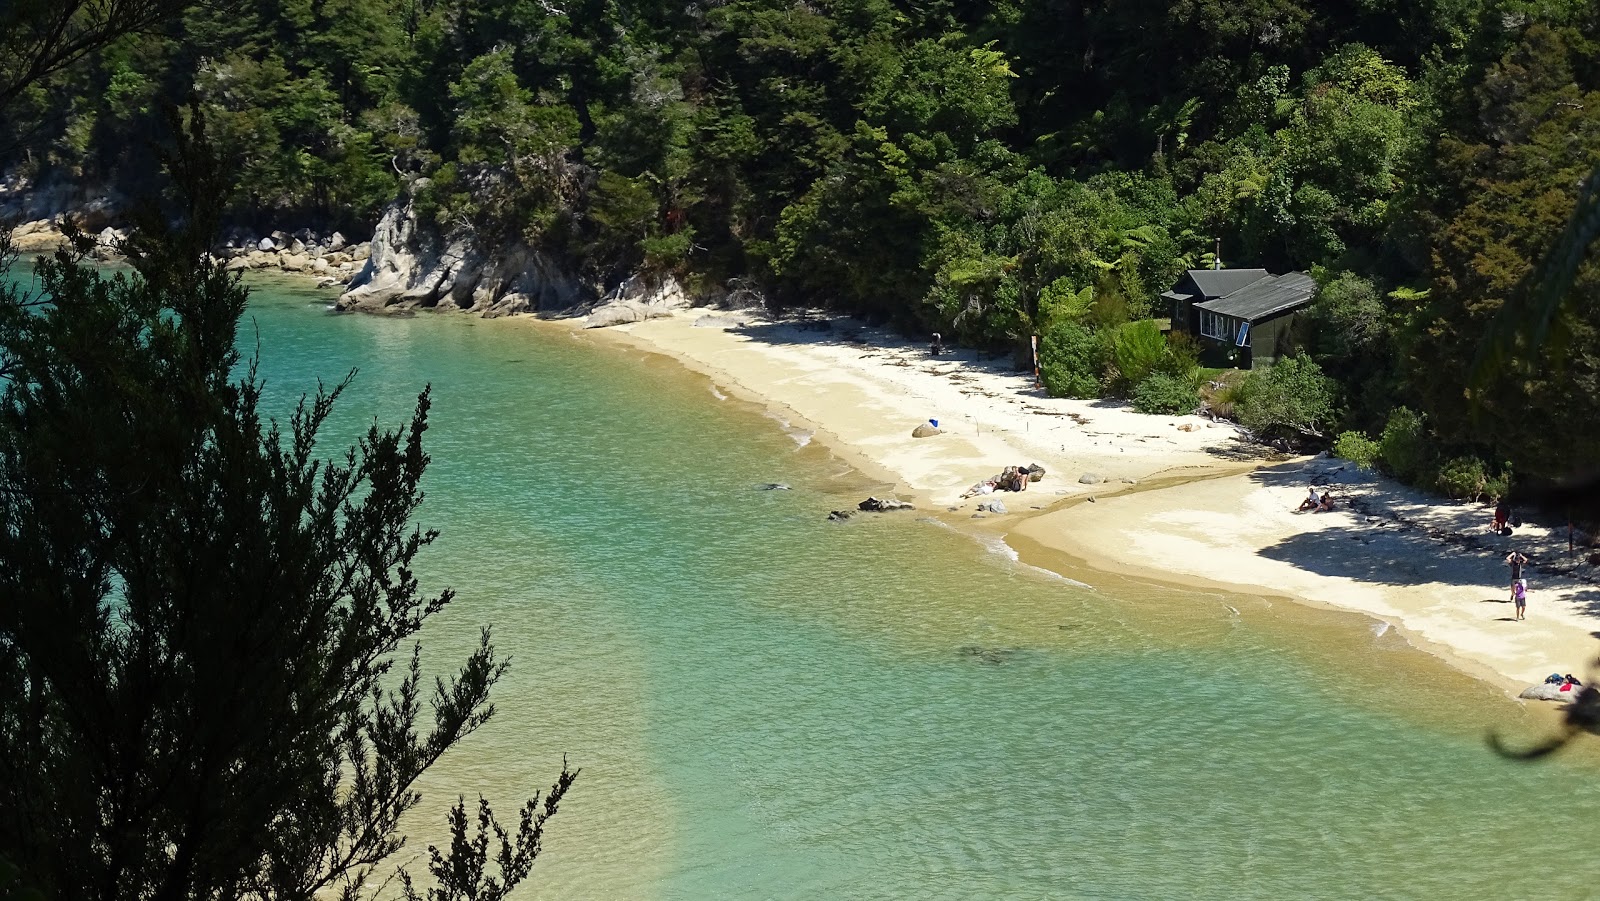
(1326, 504)
(1311, 502)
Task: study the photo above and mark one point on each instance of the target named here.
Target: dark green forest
(988, 169)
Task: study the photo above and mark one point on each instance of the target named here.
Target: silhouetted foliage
(210, 684)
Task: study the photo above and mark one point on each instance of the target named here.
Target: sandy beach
(1175, 499)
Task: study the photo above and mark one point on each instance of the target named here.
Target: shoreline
(1183, 507)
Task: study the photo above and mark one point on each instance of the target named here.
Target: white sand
(1209, 517)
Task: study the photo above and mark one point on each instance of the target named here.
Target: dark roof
(1174, 295)
(1261, 299)
(1218, 282)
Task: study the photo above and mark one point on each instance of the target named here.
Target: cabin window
(1216, 325)
(1244, 335)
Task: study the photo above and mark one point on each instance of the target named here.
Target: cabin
(1241, 316)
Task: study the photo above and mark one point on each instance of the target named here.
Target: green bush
(1291, 397)
(1164, 393)
(1462, 478)
(1404, 446)
(1182, 358)
(1137, 350)
(1498, 485)
(1070, 361)
(1357, 448)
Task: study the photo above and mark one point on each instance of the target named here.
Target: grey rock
(840, 515)
(623, 312)
(993, 507)
(1090, 478)
(772, 486)
(883, 505)
(1548, 691)
(266, 244)
(411, 265)
(924, 431)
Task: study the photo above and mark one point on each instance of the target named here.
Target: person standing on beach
(1519, 594)
(1516, 561)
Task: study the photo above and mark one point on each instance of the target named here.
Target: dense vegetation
(988, 169)
(205, 690)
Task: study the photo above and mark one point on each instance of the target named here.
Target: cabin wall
(1272, 339)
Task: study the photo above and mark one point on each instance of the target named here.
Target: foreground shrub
(1070, 361)
(1357, 448)
(1167, 394)
(1290, 398)
(1404, 446)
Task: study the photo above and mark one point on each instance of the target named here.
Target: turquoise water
(767, 705)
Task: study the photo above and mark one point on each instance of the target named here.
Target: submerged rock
(840, 515)
(987, 656)
(772, 486)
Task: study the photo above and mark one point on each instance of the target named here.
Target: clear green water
(767, 705)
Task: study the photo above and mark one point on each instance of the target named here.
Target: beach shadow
(841, 331)
(1505, 619)
(1586, 599)
(1383, 557)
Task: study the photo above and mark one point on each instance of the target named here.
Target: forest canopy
(991, 170)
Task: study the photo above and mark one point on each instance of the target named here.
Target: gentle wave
(801, 437)
(998, 547)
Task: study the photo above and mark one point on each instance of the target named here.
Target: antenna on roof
(1216, 258)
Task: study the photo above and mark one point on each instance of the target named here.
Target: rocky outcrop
(414, 267)
(39, 208)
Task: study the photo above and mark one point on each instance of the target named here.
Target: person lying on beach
(1311, 502)
(986, 486)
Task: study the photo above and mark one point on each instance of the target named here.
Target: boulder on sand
(1090, 478)
(926, 430)
(622, 312)
(993, 507)
(1549, 691)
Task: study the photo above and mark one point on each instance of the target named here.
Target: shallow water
(768, 705)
